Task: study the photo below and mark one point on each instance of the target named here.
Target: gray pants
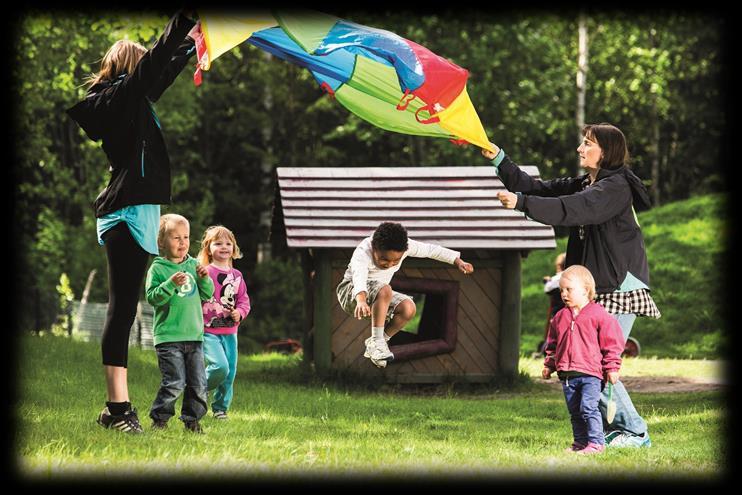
(627, 418)
(348, 302)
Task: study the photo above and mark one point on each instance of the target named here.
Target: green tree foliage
(255, 112)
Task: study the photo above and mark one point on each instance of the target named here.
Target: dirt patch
(657, 384)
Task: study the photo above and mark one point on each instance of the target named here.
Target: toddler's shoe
(193, 426)
(575, 447)
(592, 448)
(220, 415)
(159, 424)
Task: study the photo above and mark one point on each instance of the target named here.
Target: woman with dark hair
(118, 111)
(599, 208)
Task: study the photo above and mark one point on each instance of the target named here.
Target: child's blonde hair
(212, 233)
(167, 222)
(581, 273)
(121, 58)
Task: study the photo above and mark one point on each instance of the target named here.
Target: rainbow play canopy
(383, 78)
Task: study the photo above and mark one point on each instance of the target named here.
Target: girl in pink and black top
(222, 314)
(584, 347)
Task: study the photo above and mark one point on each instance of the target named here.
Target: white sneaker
(384, 352)
(373, 353)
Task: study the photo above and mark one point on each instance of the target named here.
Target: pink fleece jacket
(230, 293)
(590, 343)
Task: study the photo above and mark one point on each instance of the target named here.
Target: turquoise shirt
(497, 160)
(143, 222)
(631, 283)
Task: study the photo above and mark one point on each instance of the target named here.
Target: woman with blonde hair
(118, 111)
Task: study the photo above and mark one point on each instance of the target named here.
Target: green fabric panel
(306, 27)
(384, 115)
(379, 80)
(373, 81)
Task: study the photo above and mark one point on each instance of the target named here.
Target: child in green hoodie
(176, 285)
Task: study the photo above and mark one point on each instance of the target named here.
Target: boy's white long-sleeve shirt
(361, 268)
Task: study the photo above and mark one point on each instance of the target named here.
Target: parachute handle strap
(431, 120)
(405, 100)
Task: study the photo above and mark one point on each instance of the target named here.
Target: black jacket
(120, 113)
(613, 243)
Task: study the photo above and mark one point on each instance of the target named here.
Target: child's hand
(507, 199)
(546, 373)
(180, 278)
(362, 310)
(463, 266)
(236, 316)
(489, 154)
(613, 376)
(201, 271)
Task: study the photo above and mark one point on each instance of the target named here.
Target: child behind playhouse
(176, 285)
(365, 292)
(584, 347)
(222, 314)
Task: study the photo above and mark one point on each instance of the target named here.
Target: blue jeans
(221, 354)
(582, 394)
(182, 368)
(627, 419)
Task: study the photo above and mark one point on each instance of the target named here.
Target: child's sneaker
(159, 424)
(575, 447)
(592, 448)
(384, 352)
(220, 415)
(127, 422)
(193, 426)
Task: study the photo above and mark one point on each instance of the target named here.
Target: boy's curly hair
(389, 236)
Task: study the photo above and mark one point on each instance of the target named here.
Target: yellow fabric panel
(461, 119)
(224, 30)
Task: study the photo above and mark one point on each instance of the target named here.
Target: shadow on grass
(292, 370)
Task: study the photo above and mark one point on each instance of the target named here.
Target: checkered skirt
(637, 301)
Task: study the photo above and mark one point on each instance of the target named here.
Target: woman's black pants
(127, 263)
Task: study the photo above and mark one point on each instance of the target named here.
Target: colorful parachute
(383, 78)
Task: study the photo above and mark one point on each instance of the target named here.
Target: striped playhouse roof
(457, 207)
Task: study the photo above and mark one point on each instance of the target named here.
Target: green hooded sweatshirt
(178, 315)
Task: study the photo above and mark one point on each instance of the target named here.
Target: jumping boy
(365, 292)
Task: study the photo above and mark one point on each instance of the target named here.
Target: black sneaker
(159, 424)
(193, 426)
(127, 422)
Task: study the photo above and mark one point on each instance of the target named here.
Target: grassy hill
(687, 244)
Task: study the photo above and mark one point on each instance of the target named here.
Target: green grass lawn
(288, 425)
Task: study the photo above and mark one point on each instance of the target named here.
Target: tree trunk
(656, 160)
(265, 248)
(581, 80)
(655, 189)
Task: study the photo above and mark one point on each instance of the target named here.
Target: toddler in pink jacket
(584, 347)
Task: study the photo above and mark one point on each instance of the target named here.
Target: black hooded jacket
(613, 243)
(120, 113)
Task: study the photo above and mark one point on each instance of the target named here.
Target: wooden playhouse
(469, 328)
